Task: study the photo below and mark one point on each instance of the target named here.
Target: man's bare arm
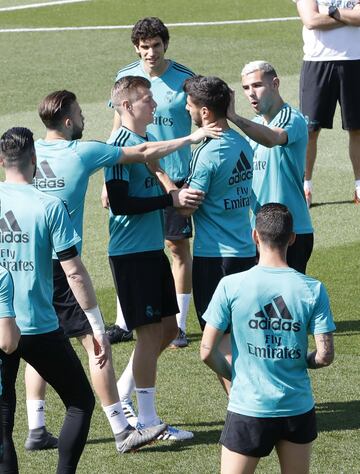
(266, 136)
(349, 17)
(185, 198)
(210, 354)
(81, 285)
(314, 20)
(150, 151)
(9, 335)
(324, 353)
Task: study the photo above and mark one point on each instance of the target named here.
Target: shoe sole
(28, 448)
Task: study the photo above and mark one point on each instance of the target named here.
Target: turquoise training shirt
(271, 311)
(32, 225)
(64, 168)
(6, 300)
(279, 171)
(138, 232)
(171, 119)
(222, 168)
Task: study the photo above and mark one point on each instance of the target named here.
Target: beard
(77, 133)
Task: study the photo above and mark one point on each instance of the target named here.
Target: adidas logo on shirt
(10, 231)
(45, 177)
(242, 170)
(275, 316)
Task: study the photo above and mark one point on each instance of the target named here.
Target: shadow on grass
(343, 328)
(330, 203)
(194, 336)
(338, 416)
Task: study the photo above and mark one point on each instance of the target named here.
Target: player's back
(64, 168)
(32, 225)
(222, 168)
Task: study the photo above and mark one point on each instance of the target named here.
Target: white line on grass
(127, 27)
(39, 5)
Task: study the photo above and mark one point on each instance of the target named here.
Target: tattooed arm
(324, 353)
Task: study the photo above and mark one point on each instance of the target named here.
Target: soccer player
(330, 74)
(141, 271)
(150, 38)
(278, 135)
(271, 309)
(9, 331)
(32, 226)
(222, 169)
(64, 167)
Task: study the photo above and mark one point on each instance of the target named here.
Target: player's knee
(180, 249)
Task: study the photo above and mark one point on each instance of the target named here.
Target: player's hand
(187, 198)
(102, 349)
(104, 197)
(230, 113)
(211, 131)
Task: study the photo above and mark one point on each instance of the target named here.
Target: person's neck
(270, 257)
(13, 176)
(56, 135)
(158, 71)
(133, 126)
(221, 122)
(274, 110)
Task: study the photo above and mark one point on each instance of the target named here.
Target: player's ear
(137, 49)
(166, 44)
(204, 112)
(68, 122)
(255, 236)
(276, 82)
(292, 238)
(126, 104)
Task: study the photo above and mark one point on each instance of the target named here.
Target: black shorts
(256, 437)
(298, 254)
(206, 274)
(145, 287)
(71, 317)
(177, 227)
(322, 85)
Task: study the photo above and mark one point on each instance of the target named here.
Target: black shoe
(116, 334)
(40, 438)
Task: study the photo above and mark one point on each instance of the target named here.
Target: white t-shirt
(338, 44)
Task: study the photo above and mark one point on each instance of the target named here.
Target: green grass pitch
(33, 64)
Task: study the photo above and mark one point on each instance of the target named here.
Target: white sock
(357, 187)
(183, 301)
(35, 413)
(116, 417)
(146, 404)
(119, 314)
(308, 185)
(126, 383)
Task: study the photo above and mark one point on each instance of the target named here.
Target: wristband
(95, 320)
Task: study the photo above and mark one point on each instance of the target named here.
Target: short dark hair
(148, 28)
(17, 147)
(211, 92)
(274, 224)
(55, 107)
(127, 85)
